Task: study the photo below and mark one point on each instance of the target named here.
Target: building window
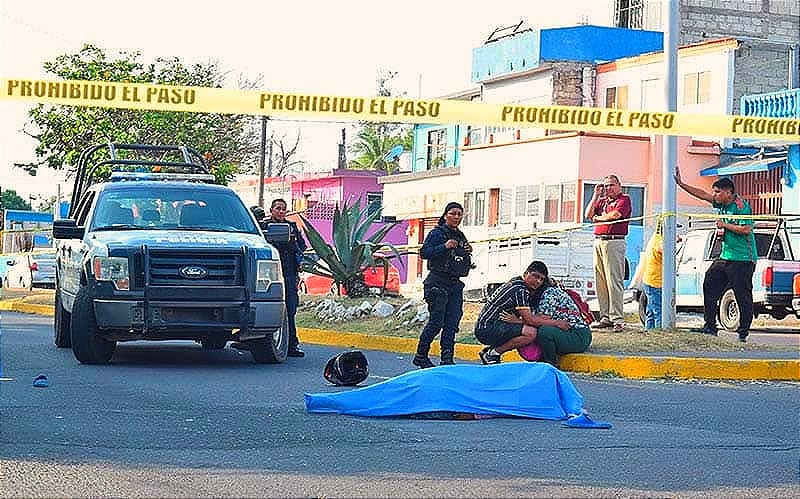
(628, 14)
(617, 97)
(469, 208)
(696, 87)
(506, 205)
(652, 95)
(377, 198)
(494, 207)
(568, 193)
(500, 133)
(474, 136)
(480, 207)
(527, 201)
(552, 196)
(437, 146)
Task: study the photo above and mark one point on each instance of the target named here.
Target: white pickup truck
(568, 256)
(772, 279)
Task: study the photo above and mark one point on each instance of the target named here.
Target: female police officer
(449, 258)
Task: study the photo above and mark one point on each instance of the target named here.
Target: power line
(40, 30)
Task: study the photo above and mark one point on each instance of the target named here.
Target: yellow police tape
(577, 227)
(659, 216)
(390, 109)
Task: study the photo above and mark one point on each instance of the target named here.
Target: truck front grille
(176, 268)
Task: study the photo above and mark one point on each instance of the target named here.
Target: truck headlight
(114, 269)
(267, 272)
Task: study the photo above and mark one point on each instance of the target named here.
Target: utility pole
(271, 142)
(669, 154)
(261, 161)
(342, 155)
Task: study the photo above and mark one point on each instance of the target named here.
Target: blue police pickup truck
(152, 249)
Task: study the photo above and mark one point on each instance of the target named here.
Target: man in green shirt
(736, 263)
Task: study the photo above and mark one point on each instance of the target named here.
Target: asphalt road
(170, 420)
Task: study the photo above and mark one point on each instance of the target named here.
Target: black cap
(259, 212)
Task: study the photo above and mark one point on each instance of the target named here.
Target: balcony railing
(782, 104)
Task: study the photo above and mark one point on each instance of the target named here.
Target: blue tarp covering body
(522, 389)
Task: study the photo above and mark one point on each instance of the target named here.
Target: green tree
(375, 140)
(62, 132)
(351, 251)
(10, 200)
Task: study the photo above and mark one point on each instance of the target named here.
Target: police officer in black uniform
(291, 254)
(449, 258)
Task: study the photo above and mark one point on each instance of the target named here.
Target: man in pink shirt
(608, 204)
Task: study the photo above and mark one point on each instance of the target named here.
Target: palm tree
(373, 143)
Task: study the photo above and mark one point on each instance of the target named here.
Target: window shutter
(506, 205)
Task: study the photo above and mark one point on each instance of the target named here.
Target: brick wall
(568, 83)
(765, 28)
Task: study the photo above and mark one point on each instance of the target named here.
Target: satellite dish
(394, 153)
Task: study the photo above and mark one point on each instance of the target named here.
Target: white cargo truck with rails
(567, 253)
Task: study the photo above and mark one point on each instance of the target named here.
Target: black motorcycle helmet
(347, 369)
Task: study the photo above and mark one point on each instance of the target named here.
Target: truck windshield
(161, 209)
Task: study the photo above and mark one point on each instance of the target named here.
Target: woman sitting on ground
(550, 301)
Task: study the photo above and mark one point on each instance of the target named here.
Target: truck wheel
(778, 313)
(87, 345)
(729, 311)
(273, 348)
(61, 323)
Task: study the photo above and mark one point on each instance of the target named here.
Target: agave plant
(351, 251)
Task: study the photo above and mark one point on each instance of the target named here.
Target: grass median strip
(632, 340)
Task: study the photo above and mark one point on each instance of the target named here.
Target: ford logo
(193, 272)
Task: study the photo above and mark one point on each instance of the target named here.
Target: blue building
(776, 172)
(780, 157)
(567, 54)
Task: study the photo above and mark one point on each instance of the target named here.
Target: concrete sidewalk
(742, 365)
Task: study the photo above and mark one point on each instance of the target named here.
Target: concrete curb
(19, 305)
(625, 366)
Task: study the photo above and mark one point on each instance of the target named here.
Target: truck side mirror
(278, 233)
(66, 228)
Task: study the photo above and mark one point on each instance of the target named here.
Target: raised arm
(588, 213)
(694, 191)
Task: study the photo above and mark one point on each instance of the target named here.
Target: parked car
(772, 279)
(312, 284)
(796, 294)
(34, 270)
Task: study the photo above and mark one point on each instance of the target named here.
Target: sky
(322, 47)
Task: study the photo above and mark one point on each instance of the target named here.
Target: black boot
(421, 359)
(446, 357)
(423, 362)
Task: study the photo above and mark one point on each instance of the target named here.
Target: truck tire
(274, 348)
(729, 311)
(778, 313)
(87, 345)
(61, 323)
